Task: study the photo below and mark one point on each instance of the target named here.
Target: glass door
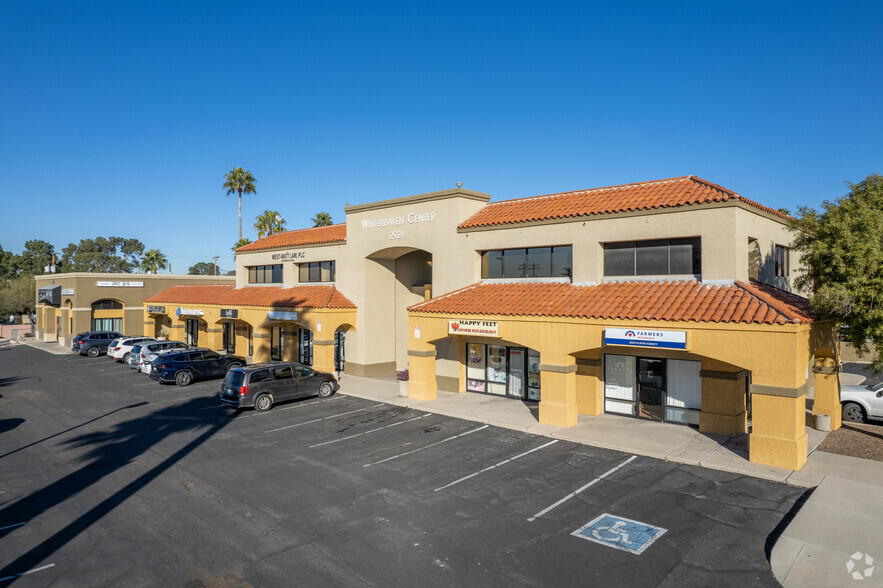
(651, 388)
(339, 350)
(496, 369)
(229, 336)
(191, 332)
(533, 374)
(516, 372)
(276, 342)
(619, 384)
(305, 346)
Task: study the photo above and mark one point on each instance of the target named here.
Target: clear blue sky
(121, 118)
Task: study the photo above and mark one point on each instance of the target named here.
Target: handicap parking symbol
(620, 533)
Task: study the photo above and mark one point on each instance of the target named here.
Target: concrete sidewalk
(828, 539)
(839, 520)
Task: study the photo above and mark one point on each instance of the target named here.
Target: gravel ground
(856, 440)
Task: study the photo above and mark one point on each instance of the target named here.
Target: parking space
(105, 478)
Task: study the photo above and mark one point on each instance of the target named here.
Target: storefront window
(305, 346)
(501, 370)
(108, 324)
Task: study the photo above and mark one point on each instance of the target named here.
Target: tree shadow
(108, 451)
(10, 380)
(9, 424)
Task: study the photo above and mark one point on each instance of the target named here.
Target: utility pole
(215, 260)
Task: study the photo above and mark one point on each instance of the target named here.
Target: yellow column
(323, 355)
(826, 397)
(778, 436)
(589, 392)
(558, 392)
(215, 337)
(724, 410)
(261, 344)
(421, 372)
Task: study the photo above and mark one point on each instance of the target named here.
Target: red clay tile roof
(661, 301)
(269, 296)
(628, 197)
(313, 236)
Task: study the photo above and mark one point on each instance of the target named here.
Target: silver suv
(149, 352)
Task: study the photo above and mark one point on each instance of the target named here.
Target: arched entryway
(107, 315)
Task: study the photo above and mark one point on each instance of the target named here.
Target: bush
(402, 375)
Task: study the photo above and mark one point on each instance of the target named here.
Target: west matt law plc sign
(463, 327)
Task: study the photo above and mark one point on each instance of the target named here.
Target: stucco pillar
(421, 372)
(724, 410)
(261, 344)
(323, 355)
(589, 391)
(826, 397)
(558, 392)
(778, 436)
(214, 336)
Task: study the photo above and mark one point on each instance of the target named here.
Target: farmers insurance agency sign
(486, 328)
(645, 338)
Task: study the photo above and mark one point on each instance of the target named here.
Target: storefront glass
(108, 324)
(305, 346)
(503, 371)
(667, 390)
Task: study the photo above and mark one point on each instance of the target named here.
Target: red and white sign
(469, 327)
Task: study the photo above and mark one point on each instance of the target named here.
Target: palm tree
(153, 261)
(268, 223)
(322, 219)
(239, 180)
(239, 244)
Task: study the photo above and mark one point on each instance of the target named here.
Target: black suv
(262, 385)
(182, 367)
(94, 343)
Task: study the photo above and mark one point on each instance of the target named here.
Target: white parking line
(26, 573)
(427, 447)
(277, 409)
(487, 469)
(371, 431)
(575, 492)
(334, 416)
(11, 526)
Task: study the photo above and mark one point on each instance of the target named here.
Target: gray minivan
(262, 385)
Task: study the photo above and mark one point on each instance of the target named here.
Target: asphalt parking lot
(108, 478)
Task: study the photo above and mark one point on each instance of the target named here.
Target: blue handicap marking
(620, 533)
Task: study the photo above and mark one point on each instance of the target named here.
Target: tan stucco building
(76, 302)
(669, 300)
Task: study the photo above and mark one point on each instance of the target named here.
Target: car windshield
(234, 379)
(875, 387)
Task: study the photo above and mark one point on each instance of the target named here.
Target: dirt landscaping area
(855, 440)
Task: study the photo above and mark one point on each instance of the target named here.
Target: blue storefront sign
(645, 338)
(620, 533)
(278, 315)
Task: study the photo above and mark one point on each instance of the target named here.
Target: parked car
(120, 349)
(182, 367)
(134, 359)
(862, 402)
(93, 343)
(262, 385)
(149, 351)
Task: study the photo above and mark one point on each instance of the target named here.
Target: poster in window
(475, 385)
(533, 369)
(475, 361)
(496, 363)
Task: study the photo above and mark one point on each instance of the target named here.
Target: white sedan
(862, 402)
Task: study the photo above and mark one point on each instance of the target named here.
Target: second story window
(659, 257)
(783, 261)
(531, 262)
(265, 274)
(317, 271)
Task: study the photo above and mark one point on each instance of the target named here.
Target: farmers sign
(486, 328)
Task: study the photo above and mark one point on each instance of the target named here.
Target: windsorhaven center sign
(645, 338)
(486, 328)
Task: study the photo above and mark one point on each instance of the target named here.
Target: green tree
(8, 265)
(242, 242)
(153, 261)
(18, 295)
(202, 268)
(239, 181)
(34, 258)
(112, 254)
(842, 256)
(268, 223)
(322, 219)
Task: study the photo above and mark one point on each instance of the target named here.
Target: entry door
(651, 388)
(339, 350)
(229, 336)
(517, 361)
(277, 340)
(305, 347)
(619, 384)
(191, 332)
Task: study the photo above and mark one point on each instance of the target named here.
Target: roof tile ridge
(443, 296)
(791, 313)
(699, 180)
(590, 190)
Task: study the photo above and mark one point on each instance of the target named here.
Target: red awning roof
(739, 302)
(668, 193)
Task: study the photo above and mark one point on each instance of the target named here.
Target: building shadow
(9, 424)
(108, 451)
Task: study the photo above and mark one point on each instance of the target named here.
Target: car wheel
(126, 358)
(325, 390)
(263, 403)
(183, 378)
(853, 413)
(93, 352)
(235, 364)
